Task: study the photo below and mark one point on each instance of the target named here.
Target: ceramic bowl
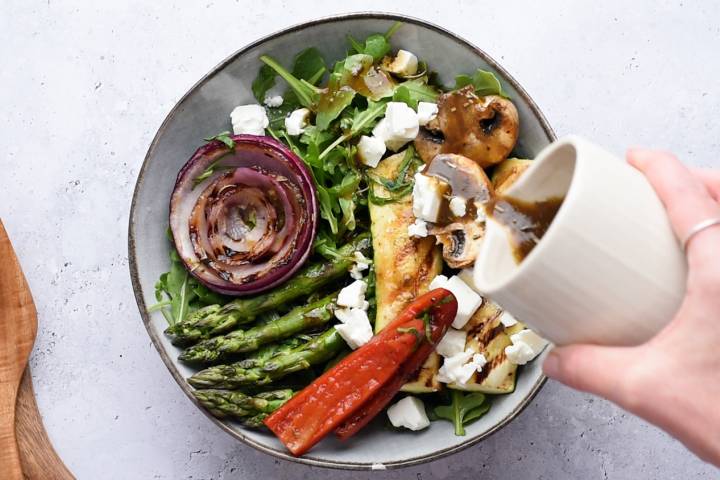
(204, 111)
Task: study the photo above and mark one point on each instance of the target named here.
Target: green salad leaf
(307, 93)
(416, 90)
(309, 65)
(175, 290)
(464, 409)
(485, 83)
(264, 81)
(224, 137)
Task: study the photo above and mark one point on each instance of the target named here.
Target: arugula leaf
(377, 46)
(364, 120)
(463, 409)
(485, 83)
(332, 102)
(264, 81)
(393, 28)
(413, 91)
(175, 289)
(355, 45)
(212, 168)
(223, 137)
(307, 93)
(309, 65)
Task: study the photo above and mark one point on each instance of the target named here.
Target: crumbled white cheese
(399, 126)
(457, 368)
(409, 413)
(361, 264)
(452, 343)
(249, 119)
(468, 300)
(347, 315)
(458, 206)
(427, 197)
(405, 63)
(438, 282)
(273, 101)
(426, 112)
(480, 213)
(370, 150)
(353, 296)
(479, 361)
(296, 122)
(418, 229)
(507, 320)
(526, 346)
(356, 330)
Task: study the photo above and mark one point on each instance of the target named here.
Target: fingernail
(551, 366)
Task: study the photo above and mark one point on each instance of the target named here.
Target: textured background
(84, 88)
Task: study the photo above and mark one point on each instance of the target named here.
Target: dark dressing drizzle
(525, 222)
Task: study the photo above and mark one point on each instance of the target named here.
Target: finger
(711, 179)
(685, 197)
(590, 368)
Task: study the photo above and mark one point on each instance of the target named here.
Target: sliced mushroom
(460, 236)
(460, 241)
(484, 129)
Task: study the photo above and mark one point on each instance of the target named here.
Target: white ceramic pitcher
(609, 270)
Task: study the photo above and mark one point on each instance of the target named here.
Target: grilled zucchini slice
(507, 172)
(404, 266)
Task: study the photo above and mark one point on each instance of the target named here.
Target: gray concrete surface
(83, 88)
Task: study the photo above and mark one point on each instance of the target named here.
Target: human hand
(673, 380)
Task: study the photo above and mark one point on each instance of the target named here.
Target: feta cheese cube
(273, 101)
(356, 331)
(405, 63)
(480, 213)
(349, 315)
(418, 229)
(438, 282)
(526, 346)
(370, 150)
(409, 413)
(353, 296)
(427, 197)
(468, 300)
(458, 206)
(296, 122)
(399, 126)
(507, 320)
(249, 119)
(426, 112)
(452, 343)
(479, 361)
(361, 264)
(457, 368)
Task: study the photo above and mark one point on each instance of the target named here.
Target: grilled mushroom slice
(460, 241)
(484, 129)
(460, 236)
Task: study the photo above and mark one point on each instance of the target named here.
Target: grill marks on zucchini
(404, 266)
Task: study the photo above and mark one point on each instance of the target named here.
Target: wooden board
(37, 455)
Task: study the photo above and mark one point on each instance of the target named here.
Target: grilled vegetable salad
(333, 231)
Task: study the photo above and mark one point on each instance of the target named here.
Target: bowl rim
(132, 257)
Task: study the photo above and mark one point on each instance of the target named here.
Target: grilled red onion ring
(250, 224)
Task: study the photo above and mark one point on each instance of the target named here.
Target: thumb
(591, 368)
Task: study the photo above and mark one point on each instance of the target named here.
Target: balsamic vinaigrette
(525, 222)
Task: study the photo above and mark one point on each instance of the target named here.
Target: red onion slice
(251, 223)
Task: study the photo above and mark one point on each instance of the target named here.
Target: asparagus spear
(250, 410)
(216, 319)
(297, 320)
(318, 350)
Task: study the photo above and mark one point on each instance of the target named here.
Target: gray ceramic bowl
(204, 111)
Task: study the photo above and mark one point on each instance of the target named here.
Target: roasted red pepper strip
(335, 396)
(442, 317)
